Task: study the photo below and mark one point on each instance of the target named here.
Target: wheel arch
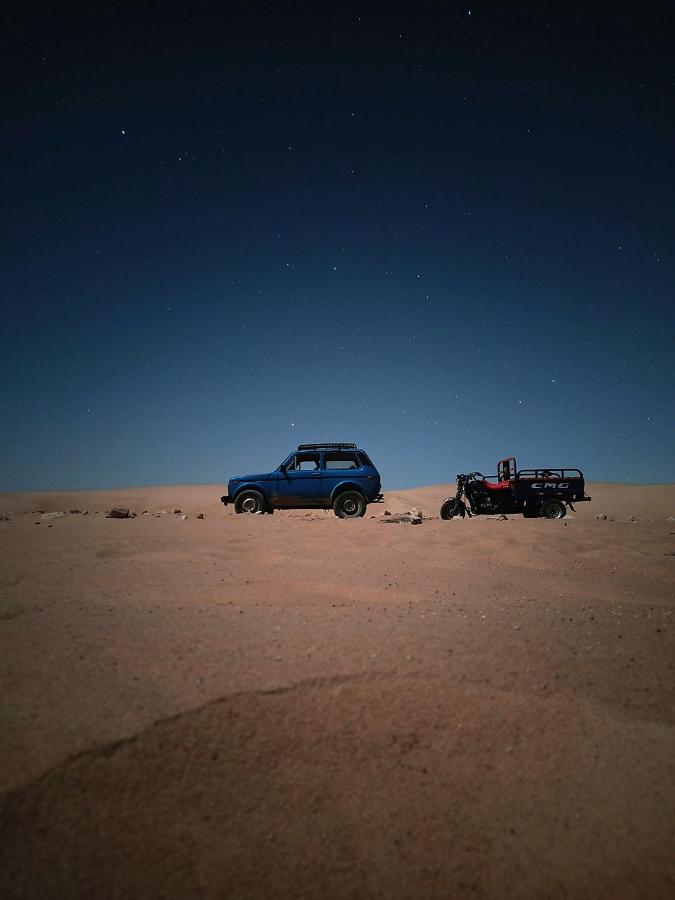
(251, 486)
(347, 486)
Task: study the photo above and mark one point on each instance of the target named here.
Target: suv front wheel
(249, 502)
(349, 505)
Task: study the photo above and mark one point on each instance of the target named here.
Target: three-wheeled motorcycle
(546, 492)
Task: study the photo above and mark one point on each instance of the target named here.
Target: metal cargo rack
(329, 445)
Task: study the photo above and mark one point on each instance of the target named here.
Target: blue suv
(335, 475)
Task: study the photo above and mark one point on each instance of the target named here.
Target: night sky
(444, 231)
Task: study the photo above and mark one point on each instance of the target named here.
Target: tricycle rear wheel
(554, 509)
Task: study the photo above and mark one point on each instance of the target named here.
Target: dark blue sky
(444, 231)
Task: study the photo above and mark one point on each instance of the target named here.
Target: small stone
(416, 520)
(183, 517)
(5, 519)
(200, 515)
(54, 515)
(85, 512)
(632, 519)
(387, 513)
(117, 512)
(177, 511)
(602, 516)
(75, 512)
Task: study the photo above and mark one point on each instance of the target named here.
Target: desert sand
(300, 706)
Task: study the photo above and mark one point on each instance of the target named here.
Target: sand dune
(296, 705)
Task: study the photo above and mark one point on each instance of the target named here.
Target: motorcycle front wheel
(452, 508)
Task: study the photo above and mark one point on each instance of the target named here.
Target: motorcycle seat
(498, 486)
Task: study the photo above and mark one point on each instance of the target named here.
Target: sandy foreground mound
(300, 706)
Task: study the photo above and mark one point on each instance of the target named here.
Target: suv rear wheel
(349, 505)
(554, 509)
(250, 502)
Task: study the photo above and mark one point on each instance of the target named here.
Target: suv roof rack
(328, 445)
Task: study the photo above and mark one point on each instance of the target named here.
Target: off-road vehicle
(337, 475)
(532, 492)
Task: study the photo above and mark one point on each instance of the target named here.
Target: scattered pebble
(53, 515)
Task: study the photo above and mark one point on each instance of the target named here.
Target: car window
(341, 461)
(304, 462)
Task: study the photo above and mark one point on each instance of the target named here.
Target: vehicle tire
(554, 509)
(250, 502)
(451, 508)
(350, 505)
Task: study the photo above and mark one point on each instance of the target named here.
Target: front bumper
(226, 499)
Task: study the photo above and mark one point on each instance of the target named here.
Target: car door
(339, 466)
(301, 480)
